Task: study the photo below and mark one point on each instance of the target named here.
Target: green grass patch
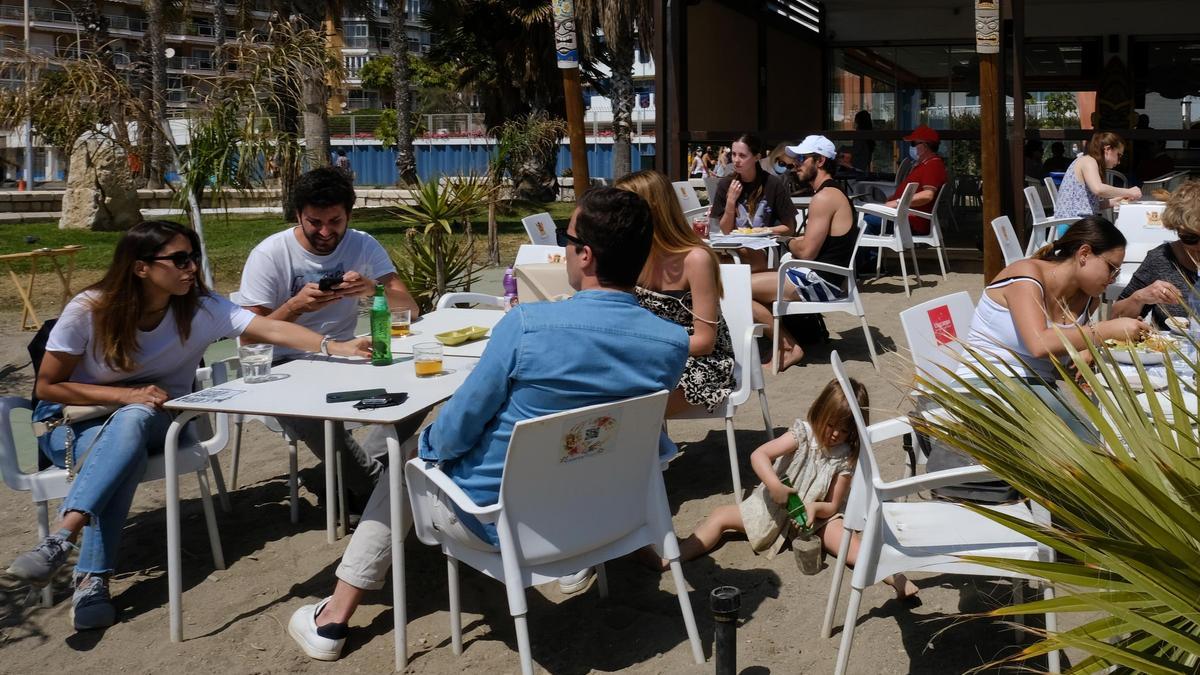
(230, 240)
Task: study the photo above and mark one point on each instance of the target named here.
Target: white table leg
(174, 580)
(331, 495)
(396, 506)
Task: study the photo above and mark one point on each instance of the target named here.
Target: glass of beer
(401, 323)
(427, 359)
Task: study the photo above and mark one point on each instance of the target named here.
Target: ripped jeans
(107, 475)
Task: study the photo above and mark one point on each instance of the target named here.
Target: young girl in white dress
(817, 456)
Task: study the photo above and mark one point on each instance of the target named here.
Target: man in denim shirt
(543, 358)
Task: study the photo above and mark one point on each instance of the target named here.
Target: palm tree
(623, 23)
(154, 53)
(406, 159)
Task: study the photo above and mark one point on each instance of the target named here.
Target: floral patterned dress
(708, 379)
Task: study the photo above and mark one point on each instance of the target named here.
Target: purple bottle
(510, 289)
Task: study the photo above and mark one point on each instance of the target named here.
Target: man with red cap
(928, 172)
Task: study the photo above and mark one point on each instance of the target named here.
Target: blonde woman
(681, 282)
(1161, 282)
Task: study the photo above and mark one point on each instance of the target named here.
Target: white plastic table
(302, 394)
(448, 319)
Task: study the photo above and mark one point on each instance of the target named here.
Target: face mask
(780, 168)
(912, 152)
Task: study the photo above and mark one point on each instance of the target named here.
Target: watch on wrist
(325, 345)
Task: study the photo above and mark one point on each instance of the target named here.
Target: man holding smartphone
(312, 274)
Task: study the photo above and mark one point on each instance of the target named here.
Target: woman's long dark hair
(1094, 231)
(119, 301)
(754, 189)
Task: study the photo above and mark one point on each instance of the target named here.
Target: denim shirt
(543, 358)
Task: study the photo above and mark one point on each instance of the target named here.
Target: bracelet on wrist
(325, 345)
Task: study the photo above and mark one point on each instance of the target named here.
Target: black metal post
(726, 603)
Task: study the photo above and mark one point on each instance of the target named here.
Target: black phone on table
(357, 395)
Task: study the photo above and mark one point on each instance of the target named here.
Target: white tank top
(995, 335)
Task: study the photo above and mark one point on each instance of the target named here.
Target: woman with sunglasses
(1027, 320)
(131, 341)
(1163, 279)
(1028, 315)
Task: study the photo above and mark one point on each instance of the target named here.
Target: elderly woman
(1161, 282)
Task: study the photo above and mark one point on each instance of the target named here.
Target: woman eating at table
(1168, 271)
(681, 282)
(127, 345)
(1029, 317)
(752, 198)
(1083, 191)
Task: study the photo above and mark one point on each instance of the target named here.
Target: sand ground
(234, 619)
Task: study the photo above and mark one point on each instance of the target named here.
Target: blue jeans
(108, 475)
(872, 224)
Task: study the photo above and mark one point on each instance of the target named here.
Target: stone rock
(100, 194)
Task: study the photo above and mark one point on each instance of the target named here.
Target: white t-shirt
(162, 359)
(279, 267)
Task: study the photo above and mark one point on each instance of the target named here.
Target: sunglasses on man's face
(563, 238)
(180, 259)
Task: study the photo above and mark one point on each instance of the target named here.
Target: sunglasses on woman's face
(1189, 238)
(180, 259)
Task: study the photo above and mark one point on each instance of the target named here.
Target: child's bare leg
(706, 536)
(832, 538)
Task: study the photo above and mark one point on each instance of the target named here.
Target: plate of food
(1179, 324)
(1151, 350)
(1134, 381)
(754, 231)
(1167, 404)
(457, 337)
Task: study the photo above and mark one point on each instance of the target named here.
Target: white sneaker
(573, 583)
(303, 629)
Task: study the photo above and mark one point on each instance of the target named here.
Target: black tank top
(837, 249)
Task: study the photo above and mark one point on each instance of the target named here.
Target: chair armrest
(920, 214)
(749, 347)
(931, 481)
(889, 429)
(474, 298)
(434, 474)
(11, 403)
(880, 210)
(1055, 222)
(694, 213)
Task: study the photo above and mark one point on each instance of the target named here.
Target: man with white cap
(830, 233)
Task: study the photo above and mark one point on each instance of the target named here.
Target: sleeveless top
(837, 249)
(1075, 200)
(707, 379)
(995, 335)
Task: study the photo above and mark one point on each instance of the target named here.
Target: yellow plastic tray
(457, 337)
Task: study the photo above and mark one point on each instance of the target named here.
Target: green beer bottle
(795, 508)
(381, 329)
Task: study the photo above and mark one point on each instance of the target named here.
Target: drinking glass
(401, 323)
(256, 362)
(427, 359)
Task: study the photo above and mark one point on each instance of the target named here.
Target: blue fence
(376, 164)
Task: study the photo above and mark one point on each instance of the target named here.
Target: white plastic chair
(1043, 229)
(747, 369)
(934, 238)
(1007, 237)
(894, 235)
(851, 303)
(464, 297)
(51, 483)
(928, 536)
(934, 331)
(710, 187)
(1052, 191)
(558, 514)
(532, 254)
(689, 201)
(540, 228)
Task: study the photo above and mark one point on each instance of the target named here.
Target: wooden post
(991, 121)
(1016, 140)
(566, 44)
